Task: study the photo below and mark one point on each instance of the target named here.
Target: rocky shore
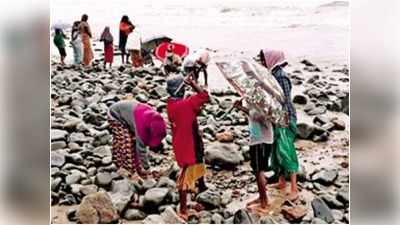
(86, 186)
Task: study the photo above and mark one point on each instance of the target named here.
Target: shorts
(62, 52)
(259, 157)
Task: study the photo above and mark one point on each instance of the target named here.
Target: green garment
(59, 40)
(284, 159)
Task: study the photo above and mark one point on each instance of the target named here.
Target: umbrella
(178, 49)
(256, 85)
(151, 43)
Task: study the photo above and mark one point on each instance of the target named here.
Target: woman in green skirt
(284, 159)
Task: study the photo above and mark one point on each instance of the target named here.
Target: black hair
(58, 31)
(125, 19)
(85, 17)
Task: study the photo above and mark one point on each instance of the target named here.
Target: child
(284, 159)
(195, 63)
(186, 139)
(108, 39)
(261, 139)
(60, 44)
(134, 126)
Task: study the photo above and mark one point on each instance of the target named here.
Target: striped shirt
(286, 86)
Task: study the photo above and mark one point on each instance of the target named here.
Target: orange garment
(136, 57)
(87, 46)
(125, 28)
(189, 175)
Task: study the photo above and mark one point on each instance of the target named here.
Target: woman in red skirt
(108, 40)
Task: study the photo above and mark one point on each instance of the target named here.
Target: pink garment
(150, 125)
(273, 58)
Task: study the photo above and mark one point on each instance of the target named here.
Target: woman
(86, 35)
(108, 40)
(60, 44)
(76, 43)
(134, 126)
(195, 63)
(134, 46)
(284, 159)
(125, 28)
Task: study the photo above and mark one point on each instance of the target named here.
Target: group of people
(81, 35)
(136, 126)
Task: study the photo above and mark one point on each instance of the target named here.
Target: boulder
(300, 99)
(210, 199)
(153, 219)
(339, 124)
(293, 214)
(58, 145)
(58, 135)
(103, 179)
(73, 178)
(97, 208)
(317, 110)
(226, 136)
(321, 210)
(155, 196)
(325, 177)
(169, 216)
(57, 159)
(242, 217)
(134, 214)
(223, 155)
(304, 130)
(121, 194)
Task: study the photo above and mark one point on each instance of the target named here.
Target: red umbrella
(178, 49)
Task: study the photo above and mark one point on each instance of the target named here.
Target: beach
(314, 37)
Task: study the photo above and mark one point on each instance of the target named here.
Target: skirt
(87, 50)
(189, 175)
(123, 147)
(108, 53)
(284, 159)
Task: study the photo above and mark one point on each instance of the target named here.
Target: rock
(217, 218)
(74, 158)
(58, 145)
(339, 124)
(71, 214)
(266, 220)
(58, 135)
(57, 159)
(317, 110)
(343, 195)
(88, 189)
(304, 145)
(321, 120)
(325, 177)
(106, 160)
(73, 178)
(121, 194)
(338, 215)
(134, 214)
(304, 130)
(142, 98)
(321, 210)
(153, 219)
(300, 99)
(166, 182)
(226, 197)
(55, 183)
(313, 79)
(210, 199)
(225, 136)
(242, 217)
(318, 221)
(155, 196)
(306, 62)
(103, 179)
(293, 214)
(224, 155)
(149, 183)
(97, 208)
(332, 202)
(102, 151)
(169, 216)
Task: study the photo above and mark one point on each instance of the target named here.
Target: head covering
(150, 125)
(273, 58)
(204, 57)
(175, 85)
(106, 35)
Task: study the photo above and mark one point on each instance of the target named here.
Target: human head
(125, 19)
(155, 128)
(272, 58)
(85, 17)
(175, 86)
(204, 57)
(76, 24)
(58, 30)
(107, 29)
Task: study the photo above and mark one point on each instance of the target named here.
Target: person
(195, 63)
(86, 35)
(134, 126)
(134, 48)
(76, 43)
(125, 28)
(172, 61)
(284, 160)
(108, 40)
(261, 140)
(60, 44)
(187, 142)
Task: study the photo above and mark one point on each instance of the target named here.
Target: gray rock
(321, 120)
(88, 189)
(210, 199)
(318, 221)
(325, 177)
(58, 145)
(97, 208)
(153, 219)
(103, 179)
(166, 182)
(74, 158)
(169, 216)
(300, 99)
(317, 110)
(223, 154)
(134, 214)
(148, 184)
(305, 130)
(155, 196)
(242, 217)
(102, 151)
(57, 159)
(55, 183)
(217, 218)
(338, 215)
(106, 160)
(321, 210)
(121, 194)
(73, 178)
(58, 135)
(71, 215)
(332, 202)
(343, 195)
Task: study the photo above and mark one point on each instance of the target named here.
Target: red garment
(108, 53)
(126, 28)
(182, 114)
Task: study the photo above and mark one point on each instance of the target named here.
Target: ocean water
(313, 29)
